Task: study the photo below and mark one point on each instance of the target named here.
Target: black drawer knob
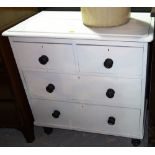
(50, 88)
(43, 59)
(56, 114)
(111, 120)
(108, 63)
(110, 93)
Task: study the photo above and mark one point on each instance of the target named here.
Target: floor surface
(64, 138)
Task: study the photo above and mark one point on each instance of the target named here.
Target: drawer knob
(111, 120)
(110, 93)
(43, 59)
(108, 63)
(56, 114)
(50, 88)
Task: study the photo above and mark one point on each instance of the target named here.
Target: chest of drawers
(82, 78)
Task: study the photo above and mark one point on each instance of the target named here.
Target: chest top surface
(60, 24)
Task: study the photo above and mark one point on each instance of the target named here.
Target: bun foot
(135, 142)
(48, 130)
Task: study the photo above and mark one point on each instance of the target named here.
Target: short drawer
(85, 89)
(97, 119)
(110, 60)
(57, 57)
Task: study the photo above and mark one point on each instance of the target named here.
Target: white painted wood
(42, 112)
(143, 99)
(85, 89)
(87, 118)
(70, 25)
(60, 56)
(105, 42)
(27, 55)
(76, 55)
(95, 118)
(126, 60)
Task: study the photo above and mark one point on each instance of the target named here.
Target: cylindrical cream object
(105, 16)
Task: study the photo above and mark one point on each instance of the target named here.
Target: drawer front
(43, 112)
(99, 119)
(110, 60)
(57, 57)
(109, 120)
(85, 89)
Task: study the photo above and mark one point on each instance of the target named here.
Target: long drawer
(57, 57)
(84, 89)
(126, 61)
(98, 119)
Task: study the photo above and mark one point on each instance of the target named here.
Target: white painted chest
(81, 78)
